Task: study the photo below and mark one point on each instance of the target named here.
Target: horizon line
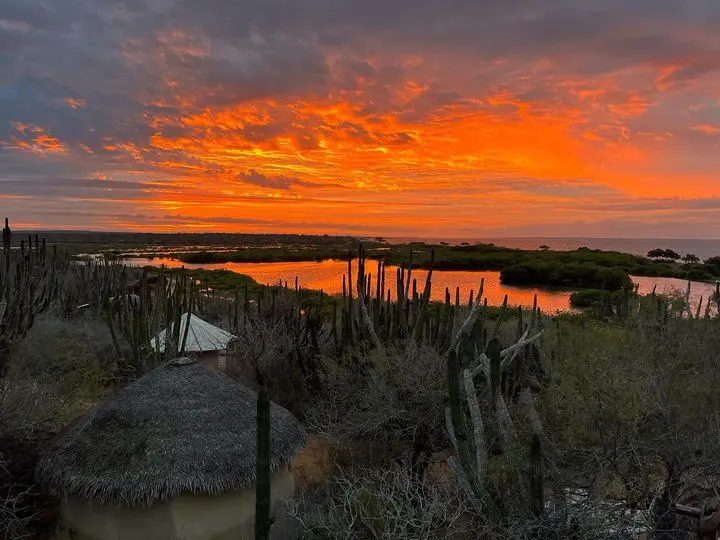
(476, 238)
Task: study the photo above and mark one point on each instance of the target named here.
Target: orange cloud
(707, 129)
(37, 140)
(316, 155)
(635, 105)
(336, 141)
(75, 103)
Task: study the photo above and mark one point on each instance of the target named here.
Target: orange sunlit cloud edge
(411, 138)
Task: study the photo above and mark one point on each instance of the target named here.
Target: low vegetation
(447, 420)
(599, 298)
(571, 275)
(581, 268)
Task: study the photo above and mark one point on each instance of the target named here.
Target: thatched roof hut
(181, 431)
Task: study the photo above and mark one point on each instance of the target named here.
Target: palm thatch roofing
(182, 428)
(201, 337)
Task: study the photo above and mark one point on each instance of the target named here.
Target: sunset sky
(429, 118)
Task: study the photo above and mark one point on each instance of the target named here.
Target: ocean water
(636, 246)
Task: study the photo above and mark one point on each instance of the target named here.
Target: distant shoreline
(703, 247)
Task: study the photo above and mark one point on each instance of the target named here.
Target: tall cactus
(262, 467)
(7, 244)
(376, 318)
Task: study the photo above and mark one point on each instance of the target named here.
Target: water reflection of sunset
(328, 276)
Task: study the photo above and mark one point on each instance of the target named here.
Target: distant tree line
(689, 258)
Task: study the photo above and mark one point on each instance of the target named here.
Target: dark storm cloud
(117, 58)
(219, 72)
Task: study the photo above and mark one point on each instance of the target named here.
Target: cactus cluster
(30, 280)
(386, 315)
(483, 377)
(135, 310)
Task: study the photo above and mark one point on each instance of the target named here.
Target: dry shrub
(392, 503)
(384, 504)
(26, 510)
(386, 410)
(281, 353)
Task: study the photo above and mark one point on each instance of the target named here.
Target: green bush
(697, 274)
(588, 298)
(570, 275)
(633, 406)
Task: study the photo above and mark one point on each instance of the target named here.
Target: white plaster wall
(189, 517)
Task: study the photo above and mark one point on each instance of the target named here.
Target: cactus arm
(420, 319)
(472, 317)
(483, 366)
(409, 274)
(362, 302)
(526, 398)
(369, 325)
(493, 353)
(508, 434)
(481, 457)
(537, 503)
(457, 414)
(515, 347)
(451, 430)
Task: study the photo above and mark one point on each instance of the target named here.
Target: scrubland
(426, 421)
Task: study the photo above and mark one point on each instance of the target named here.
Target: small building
(171, 457)
(206, 342)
